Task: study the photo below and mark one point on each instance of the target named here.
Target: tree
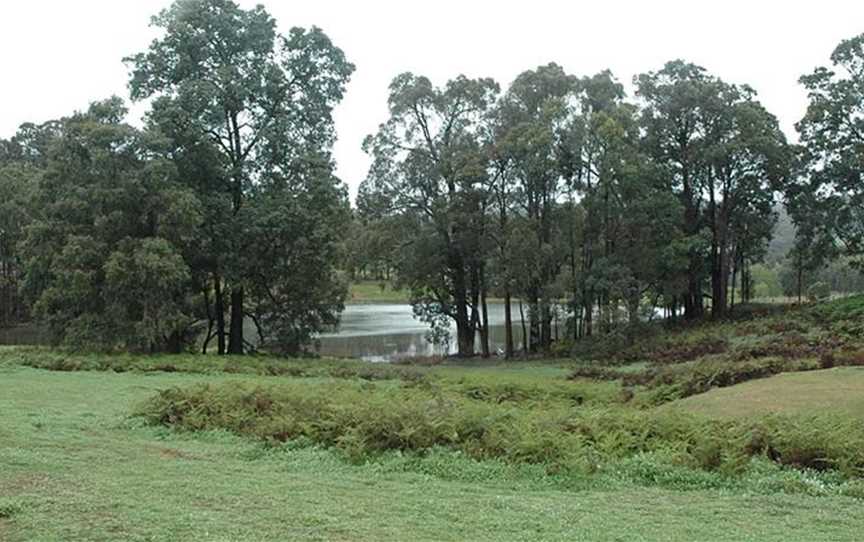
(827, 199)
(429, 164)
(631, 228)
(676, 122)
(531, 118)
(727, 157)
(748, 162)
(103, 254)
(22, 161)
(15, 182)
(260, 103)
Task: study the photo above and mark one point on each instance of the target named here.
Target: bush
(818, 291)
(253, 365)
(366, 420)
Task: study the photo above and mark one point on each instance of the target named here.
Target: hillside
(838, 390)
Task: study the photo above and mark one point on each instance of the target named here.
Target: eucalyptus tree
(22, 160)
(827, 199)
(104, 263)
(593, 136)
(260, 103)
(15, 182)
(429, 167)
(631, 232)
(501, 197)
(532, 115)
(676, 122)
(749, 162)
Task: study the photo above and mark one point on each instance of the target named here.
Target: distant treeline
(223, 212)
(562, 187)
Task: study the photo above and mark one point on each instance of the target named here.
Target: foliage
(827, 201)
(249, 114)
(104, 252)
(365, 421)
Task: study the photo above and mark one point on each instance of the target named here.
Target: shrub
(366, 420)
(687, 351)
(842, 358)
(254, 365)
(818, 291)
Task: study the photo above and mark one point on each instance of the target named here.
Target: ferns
(365, 420)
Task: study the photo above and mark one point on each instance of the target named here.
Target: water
(386, 332)
(373, 332)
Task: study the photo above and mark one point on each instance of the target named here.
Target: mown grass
(106, 447)
(839, 390)
(76, 467)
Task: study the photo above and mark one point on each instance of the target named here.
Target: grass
(76, 467)
(839, 390)
(767, 444)
(370, 291)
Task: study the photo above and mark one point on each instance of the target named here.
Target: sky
(56, 56)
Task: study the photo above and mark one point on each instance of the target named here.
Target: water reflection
(374, 332)
(385, 332)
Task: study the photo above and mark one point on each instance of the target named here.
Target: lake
(385, 332)
(376, 332)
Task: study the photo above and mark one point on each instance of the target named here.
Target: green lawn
(74, 466)
(839, 390)
(370, 291)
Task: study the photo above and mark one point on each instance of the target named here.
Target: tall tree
(103, 253)
(22, 161)
(827, 199)
(748, 162)
(428, 162)
(263, 102)
(16, 180)
(676, 121)
(533, 113)
(631, 230)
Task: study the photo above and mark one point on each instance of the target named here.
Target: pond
(373, 332)
(386, 332)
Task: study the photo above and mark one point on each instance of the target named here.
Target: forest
(559, 194)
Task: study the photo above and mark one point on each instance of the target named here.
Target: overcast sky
(58, 55)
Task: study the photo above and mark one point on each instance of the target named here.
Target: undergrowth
(262, 365)
(363, 420)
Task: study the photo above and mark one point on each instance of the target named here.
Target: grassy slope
(840, 390)
(74, 467)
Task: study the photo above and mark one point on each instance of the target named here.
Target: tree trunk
(534, 318)
(220, 314)
(545, 324)
(525, 338)
(693, 304)
(633, 305)
(718, 290)
(484, 326)
(508, 326)
(235, 339)
(800, 278)
(589, 315)
(734, 278)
